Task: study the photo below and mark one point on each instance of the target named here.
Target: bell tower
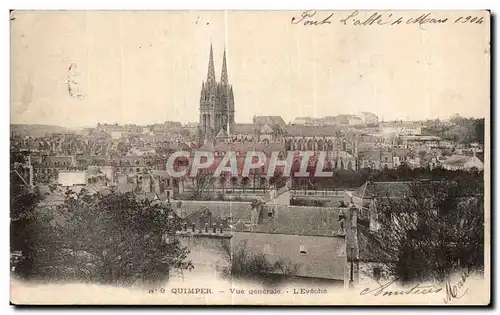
(216, 101)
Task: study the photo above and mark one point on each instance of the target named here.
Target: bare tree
(203, 186)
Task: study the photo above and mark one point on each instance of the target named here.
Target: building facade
(216, 101)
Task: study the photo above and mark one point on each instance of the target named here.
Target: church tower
(216, 101)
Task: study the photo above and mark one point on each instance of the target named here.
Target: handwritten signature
(452, 291)
(455, 291)
(382, 290)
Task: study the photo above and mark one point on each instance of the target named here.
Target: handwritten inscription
(383, 290)
(354, 18)
(307, 18)
(456, 291)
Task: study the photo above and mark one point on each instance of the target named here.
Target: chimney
(372, 217)
(341, 219)
(352, 237)
(146, 183)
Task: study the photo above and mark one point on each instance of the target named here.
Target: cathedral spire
(224, 79)
(211, 68)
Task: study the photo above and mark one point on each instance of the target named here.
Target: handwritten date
(356, 18)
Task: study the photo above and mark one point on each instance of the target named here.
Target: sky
(147, 67)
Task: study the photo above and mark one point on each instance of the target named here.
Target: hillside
(38, 130)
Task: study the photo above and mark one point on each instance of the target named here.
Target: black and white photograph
(250, 157)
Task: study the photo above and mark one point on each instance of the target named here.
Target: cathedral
(216, 103)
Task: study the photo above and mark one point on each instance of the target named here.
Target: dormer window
(303, 250)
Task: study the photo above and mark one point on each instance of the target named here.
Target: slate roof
(126, 187)
(458, 160)
(383, 189)
(270, 120)
(325, 257)
(243, 147)
(303, 130)
(244, 128)
(294, 220)
(237, 210)
(222, 134)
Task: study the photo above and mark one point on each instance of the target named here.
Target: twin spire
(211, 69)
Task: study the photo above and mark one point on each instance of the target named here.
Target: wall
(364, 273)
(209, 253)
(72, 178)
(325, 257)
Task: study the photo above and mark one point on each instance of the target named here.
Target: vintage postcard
(250, 157)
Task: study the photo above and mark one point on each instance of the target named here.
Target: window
(302, 250)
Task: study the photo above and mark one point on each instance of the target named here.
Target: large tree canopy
(106, 238)
(433, 229)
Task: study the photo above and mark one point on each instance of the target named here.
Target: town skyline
(144, 76)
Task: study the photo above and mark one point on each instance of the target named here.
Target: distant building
(216, 101)
(368, 118)
(72, 178)
(115, 135)
(378, 159)
(462, 162)
(313, 239)
(400, 128)
(429, 141)
(348, 120)
(301, 120)
(142, 151)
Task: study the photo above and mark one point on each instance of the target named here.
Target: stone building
(216, 101)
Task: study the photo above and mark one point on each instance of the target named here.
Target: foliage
(30, 236)
(203, 186)
(105, 238)
(463, 130)
(250, 266)
(433, 229)
(308, 202)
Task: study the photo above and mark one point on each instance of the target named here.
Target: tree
(234, 182)
(117, 239)
(250, 266)
(432, 229)
(203, 186)
(31, 237)
(245, 182)
(110, 239)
